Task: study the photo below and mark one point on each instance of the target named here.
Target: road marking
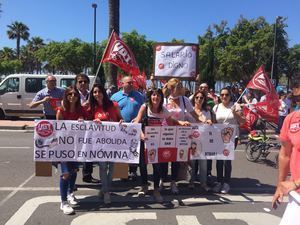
(111, 218)
(9, 147)
(16, 190)
(187, 220)
(250, 218)
(28, 208)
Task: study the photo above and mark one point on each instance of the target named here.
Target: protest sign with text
(66, 140)
(171, 143)
(175, 60)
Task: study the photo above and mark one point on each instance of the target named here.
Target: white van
(18, 90)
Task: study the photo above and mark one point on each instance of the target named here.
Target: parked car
(18, 90)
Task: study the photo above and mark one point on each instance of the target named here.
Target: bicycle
(259, 144)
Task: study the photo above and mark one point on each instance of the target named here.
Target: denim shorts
(69, 167)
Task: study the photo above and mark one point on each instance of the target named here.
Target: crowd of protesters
(166, 106)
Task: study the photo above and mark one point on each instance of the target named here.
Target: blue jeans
(106, 170)
(202, 168)
(67, 185)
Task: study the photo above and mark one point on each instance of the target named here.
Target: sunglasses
(224, 95)
(199, 97)
(83, 81)
(52, 81)
(73, 94)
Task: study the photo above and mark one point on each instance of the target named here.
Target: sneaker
(144, 190)
(66, 208)
(157, 196)
(217, 187)
(72, 200)
(225, 188)
(161, 185)
(106, 198)
(174, 188)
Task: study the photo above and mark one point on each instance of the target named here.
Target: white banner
(170, 143)
(66, 140)
(175, 61)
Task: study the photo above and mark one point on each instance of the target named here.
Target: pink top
(290, 132)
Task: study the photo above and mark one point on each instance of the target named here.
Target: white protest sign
(175, 60)
(66, 140)
(190, 143)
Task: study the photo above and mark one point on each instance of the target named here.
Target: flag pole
(96, 75)
(235, 104)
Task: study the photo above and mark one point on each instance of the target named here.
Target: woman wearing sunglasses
(70, 110)
(180, 107)
(199, 101)
(153, 113)
(228, 113)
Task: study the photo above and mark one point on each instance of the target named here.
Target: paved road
(26, 199)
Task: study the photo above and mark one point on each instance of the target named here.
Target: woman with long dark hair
(103, 109)
(199, 101)
(70, 110)
(226, 112)
(154, 114)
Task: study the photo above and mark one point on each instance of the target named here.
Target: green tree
(18, 31)
(7, 54)
(141, 48)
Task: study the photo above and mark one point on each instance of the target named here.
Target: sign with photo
(194, 142)
(175, 60)
(66, 140)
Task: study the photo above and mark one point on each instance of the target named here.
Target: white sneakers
(66, 208)
(65, 205)
(224, 189)
(71, 199)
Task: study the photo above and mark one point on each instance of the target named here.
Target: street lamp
(274, 45)
(94, 5)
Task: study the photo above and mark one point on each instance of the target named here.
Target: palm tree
(34, 45)
(18, 30)
(7, 54)
(114, 24)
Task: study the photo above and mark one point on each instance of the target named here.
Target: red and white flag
(250, 116)
(267, 109)
(119, 54)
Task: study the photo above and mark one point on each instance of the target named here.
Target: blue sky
(158, 20)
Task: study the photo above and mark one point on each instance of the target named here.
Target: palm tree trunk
(18, 47)
(114, 24)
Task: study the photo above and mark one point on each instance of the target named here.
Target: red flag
(261, 81)
(119, 54)
(140, 81)
(250, 116)
(119, 82)
(267, 109)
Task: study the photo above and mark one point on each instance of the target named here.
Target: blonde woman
(179, 106)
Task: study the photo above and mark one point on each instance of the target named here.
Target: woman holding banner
(103, 109)
(230, 113)
(70, 110)
(153, 113)
(199, 101)
(178, 105)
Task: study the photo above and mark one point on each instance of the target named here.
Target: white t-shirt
(179, 113)
(223, 113)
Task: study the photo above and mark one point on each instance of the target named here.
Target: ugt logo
(120, 52)
(44, 129)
